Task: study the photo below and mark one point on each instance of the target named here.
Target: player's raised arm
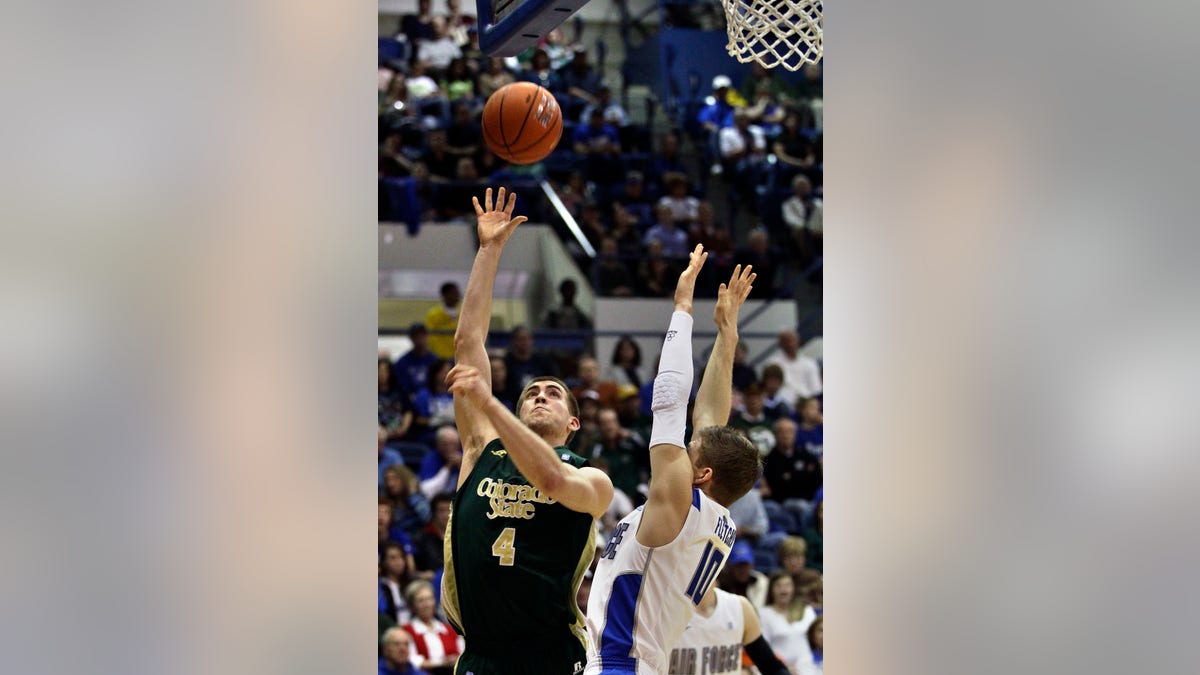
(670, 469)
(714, 399)
(495, 225)
(585, 490)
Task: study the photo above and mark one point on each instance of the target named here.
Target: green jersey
(514, 559)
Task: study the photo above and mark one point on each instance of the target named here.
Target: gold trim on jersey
(450, 606)
(579, 628)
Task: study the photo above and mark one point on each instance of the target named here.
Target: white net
(774, 32)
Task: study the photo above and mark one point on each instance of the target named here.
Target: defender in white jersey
(662, 558)
(712, 643)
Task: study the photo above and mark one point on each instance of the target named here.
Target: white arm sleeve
(673, 384)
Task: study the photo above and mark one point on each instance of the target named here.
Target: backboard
(509, 27)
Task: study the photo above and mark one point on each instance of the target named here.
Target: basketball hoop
(774, 32)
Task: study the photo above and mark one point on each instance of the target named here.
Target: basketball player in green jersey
(521, 531)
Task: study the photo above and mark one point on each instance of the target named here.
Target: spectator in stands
(774, 403)
(458, 82)
(458, 25)
(397, 647)
(743, 151)
(750, 516)
(792, 147)
(422, 87)
(761, 78)
(540, 73)
(589, 424)
(439, 470)
(454, 200)
(816, 647)
(429, 542)
(593, 226)
(439, 50)
(388, 532)
(437, 645)
(559, 50)
(814, 537)
(793, 557)
(626, 363)
(739, 576)
(810, 436)
(472, 52)
(600, 144)
(566, 315)
(801, 374)
(418, 27)
(633, 196)
(494, 77)
(575, 192)
(715, 237)
(718, 114)
(588, 379)
(655, 272)
(433, 404)
(524, 363)
(614, 114)
(624, 451)
(672, 239)
(442, 321)
(580, 82)
(387, 456)
(766, 111)
(629, 410)
(441, 162)
(620, 506)
(667, 159)
(792, 476)
(743, 374)
(684, 208)
(625, 229)
(410, 508)
(809, 93)
(780, 626)
(412, 369)
(802, 213)
(613, 278)
(394, 575)
(500, 388)
(395, 410)
(765, 259)
(752, 419)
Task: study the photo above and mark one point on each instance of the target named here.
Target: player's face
(544, 408)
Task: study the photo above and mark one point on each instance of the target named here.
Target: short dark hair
(572, 402)
(447, 286)
(734, 460)
(772, 370)
(438, 499)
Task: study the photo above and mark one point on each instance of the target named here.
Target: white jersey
(712, 645)
(642, 598)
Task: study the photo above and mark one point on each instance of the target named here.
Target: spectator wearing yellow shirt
(442, 321)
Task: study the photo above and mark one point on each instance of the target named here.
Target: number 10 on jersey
(706, 573)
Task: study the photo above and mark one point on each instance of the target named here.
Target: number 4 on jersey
(504, 548)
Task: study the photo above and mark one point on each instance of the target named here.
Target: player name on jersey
(509, 500)
(706, 660)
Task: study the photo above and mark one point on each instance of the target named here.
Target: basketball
(522, 123)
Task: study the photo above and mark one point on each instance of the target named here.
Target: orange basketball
(522, 123)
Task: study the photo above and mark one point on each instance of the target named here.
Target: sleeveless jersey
(642, 598)
(712, 645)
(514, 559)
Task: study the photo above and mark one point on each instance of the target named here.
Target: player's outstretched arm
(585, 490)
(756, 645)
(715, 397)
(670, 469)
(495, 225)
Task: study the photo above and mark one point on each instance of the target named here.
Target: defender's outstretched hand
(467, 382)
(496, 222)
(731, 296)
(687, 280)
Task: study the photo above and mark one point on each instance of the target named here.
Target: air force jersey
(642, 598)
(712, 645)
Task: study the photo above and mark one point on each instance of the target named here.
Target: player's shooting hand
(686, 287)
(496, 222)
(465, 381)
(731, 296)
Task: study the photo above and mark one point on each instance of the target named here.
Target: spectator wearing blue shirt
(600, 143)
(439, 470)
(394, 410)
(397, 648)
(540, 73)
(434, 403)
(674, 240)
(718, 114)
(810, 435)
(412, 369)
(387, 456)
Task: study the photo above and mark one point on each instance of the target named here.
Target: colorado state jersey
(642, 598)
(712, 645)
(514, 558)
